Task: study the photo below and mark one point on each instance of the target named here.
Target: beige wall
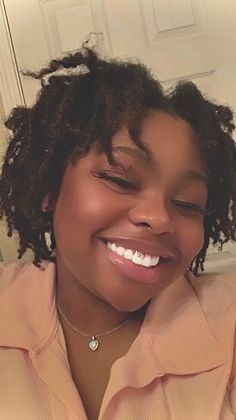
(3, 131)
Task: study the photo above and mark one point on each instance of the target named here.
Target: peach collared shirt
(181, 366)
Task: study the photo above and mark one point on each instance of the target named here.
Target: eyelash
(128, 185)
(117, 180)
(191, 206)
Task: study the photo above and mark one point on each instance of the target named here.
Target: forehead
(169, 140)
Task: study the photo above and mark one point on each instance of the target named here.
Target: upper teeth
(136, 256)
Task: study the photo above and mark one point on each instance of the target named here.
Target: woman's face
(145, 209)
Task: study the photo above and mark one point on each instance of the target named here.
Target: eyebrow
(195, 176)
(148, 158)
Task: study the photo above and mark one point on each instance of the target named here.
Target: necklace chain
(90, 335)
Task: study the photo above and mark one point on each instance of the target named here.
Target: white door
(178, 38)
(192, 39)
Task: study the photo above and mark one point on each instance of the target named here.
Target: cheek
(93, 212)
(83, 212)
(191, 239)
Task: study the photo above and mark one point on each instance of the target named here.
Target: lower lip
(136, 272)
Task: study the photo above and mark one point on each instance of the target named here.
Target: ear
(45, 204)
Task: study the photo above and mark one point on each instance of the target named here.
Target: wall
(195, 36)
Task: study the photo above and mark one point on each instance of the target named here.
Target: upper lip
(146, 247)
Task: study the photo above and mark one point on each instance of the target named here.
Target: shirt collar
(182, 338)
(175, 336)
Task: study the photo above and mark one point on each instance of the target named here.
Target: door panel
(178, 39)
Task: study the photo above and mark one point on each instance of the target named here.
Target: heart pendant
(93, 344)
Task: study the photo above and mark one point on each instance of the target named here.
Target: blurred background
(178, 39)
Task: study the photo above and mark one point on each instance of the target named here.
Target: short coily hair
(86, 99)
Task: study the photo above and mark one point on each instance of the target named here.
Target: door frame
(12, 95)
(10, 84)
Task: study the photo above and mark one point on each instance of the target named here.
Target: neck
(86, 311)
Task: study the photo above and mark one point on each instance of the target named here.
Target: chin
(129, 306)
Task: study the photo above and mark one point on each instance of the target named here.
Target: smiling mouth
(134, 264)
(138, 258)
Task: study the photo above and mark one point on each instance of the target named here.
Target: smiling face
(154, 208)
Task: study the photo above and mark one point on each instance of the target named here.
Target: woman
(130, 184)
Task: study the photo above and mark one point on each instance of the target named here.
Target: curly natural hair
(86, 99)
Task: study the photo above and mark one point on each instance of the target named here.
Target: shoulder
(16, 276)
(26, 303)
(216, 283)
(10, 272)
(216, 293)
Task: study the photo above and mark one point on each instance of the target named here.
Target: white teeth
(128, 254)
(136, 256)
(120, 250)
(147, 261)
(112, 246)
(155, 260)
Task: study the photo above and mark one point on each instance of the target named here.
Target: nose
(153, 215)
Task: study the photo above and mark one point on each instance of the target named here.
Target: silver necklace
(93, 342)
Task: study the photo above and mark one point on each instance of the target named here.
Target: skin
(94, 295)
